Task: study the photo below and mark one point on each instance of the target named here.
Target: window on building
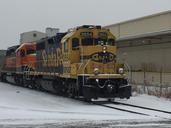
(34, 35)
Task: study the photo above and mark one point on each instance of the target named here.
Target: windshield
(30, 51)
(98, 41)
(87, 41)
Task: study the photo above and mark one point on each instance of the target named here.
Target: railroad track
(103, 104)
(147, 108)
(120, 109)
(140, 111)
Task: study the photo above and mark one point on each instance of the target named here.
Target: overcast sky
(17, 16)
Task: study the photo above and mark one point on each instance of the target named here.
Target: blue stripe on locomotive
(48, 54)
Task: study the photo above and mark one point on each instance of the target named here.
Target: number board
(103, 34)
(86, 34)
(103, 57)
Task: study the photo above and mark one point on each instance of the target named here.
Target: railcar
(9, 65)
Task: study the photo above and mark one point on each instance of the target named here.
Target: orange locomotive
(9, 66)
(19, 59)
(26, 57)
(10, 59)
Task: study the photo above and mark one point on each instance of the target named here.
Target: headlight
(96, 71)
(121, 70)
(104, 49)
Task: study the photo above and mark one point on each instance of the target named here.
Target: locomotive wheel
(3, 78)
(128, 97)
(25, 84)
(71, 90)
(38, 85)
(87, 99)
(111, 99)
(33, 85)
(19, 81)
(58, 87)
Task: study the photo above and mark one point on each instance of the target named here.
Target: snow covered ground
(24, 107)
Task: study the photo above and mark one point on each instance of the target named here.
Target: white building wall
(150, 63)
(31, 36)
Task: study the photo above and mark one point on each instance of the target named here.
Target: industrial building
(145, 44)
(32, 36)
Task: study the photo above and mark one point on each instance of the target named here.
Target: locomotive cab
(26, 57)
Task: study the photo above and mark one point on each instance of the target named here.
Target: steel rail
(141, 107)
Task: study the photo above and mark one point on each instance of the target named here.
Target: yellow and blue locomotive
(82, 62)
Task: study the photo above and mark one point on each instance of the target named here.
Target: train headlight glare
(96, 71)
(121, 70)
(109, 88)
(104, 48)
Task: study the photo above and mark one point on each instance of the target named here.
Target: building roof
(140, 18)
(152, 25)
(33, 32)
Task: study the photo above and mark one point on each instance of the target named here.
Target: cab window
(111, 42)
(65, 46)
(30, 51)
(100, 41)
(75, 43)
(22, 53)
(87, 41)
